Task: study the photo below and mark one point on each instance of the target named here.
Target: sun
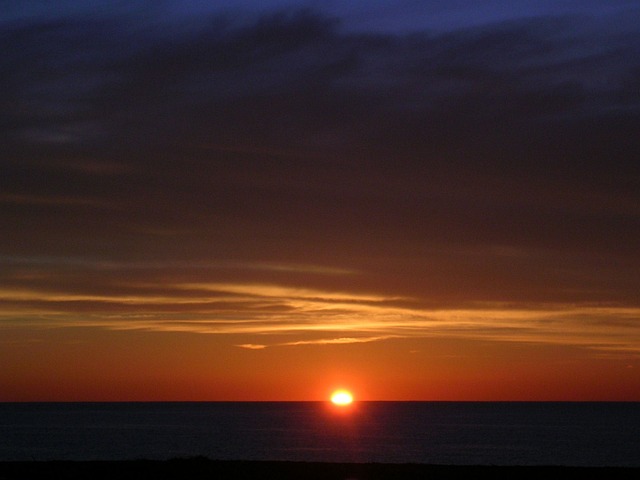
(341, 398)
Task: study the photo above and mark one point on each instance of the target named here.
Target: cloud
(273, 311)
(252, 346)
(285, 173)
(50, 200)
(295, 82)
(321, 341)
(338, 341)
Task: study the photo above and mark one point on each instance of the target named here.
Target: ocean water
(453, 433)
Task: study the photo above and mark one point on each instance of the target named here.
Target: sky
(268, 200)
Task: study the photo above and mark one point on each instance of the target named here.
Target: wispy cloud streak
(264, 311)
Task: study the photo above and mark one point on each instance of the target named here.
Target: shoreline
(204, 468)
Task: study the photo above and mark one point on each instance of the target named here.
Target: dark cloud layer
(490, 163)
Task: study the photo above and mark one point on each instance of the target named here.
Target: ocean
(445, 433)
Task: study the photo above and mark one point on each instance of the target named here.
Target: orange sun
(341, 398)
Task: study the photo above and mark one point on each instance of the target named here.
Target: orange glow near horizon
(114, 364)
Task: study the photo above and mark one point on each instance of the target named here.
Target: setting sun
(341, 397)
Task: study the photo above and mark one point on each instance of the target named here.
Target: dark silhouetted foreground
(201, 468)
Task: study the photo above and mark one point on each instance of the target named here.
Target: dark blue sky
(399, 16)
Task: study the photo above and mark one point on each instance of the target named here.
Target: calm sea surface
(584, 434)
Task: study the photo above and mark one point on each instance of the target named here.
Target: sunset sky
(268, 200)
